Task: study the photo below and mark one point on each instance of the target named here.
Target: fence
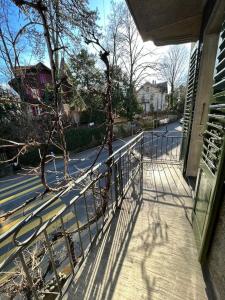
(162, 145)
(44, 255)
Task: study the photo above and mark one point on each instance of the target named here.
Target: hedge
(77, 139)
(84, 137)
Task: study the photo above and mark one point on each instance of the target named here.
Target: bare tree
(113, 34)
(135, 56)
(173, 68)
(129, 52)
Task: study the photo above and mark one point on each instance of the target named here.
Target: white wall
(148, 95)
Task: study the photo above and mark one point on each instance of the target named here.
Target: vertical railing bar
(164, 151)
(126, 172)
(162, 146)
(128, 165)
(157, 148)
(166, 148)
(68, 245)
(141, 162)
(123, 169)
(29, 279)
(169, 148)
(177, 149)
(122, 173)
(89, 228)
(107, 199)
(152, 152)
(143, 138)
(142, 170)
(120, 179)
(116, 183)
(111, 189)
(101, 203)
(78, 227)
(52, 260)
(99, 187)
(95, 209)
(128, 157)
(172, 147)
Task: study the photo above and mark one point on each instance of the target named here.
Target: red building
(30, 83)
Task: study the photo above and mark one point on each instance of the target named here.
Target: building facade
(30, 83)
(152, 96)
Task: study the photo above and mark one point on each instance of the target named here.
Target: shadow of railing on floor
(109, 252)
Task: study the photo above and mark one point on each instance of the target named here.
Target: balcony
(140, 247)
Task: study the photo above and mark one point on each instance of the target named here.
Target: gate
(162, 145)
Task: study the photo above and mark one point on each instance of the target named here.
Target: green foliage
(77, 139)
(88, 116)
(124, 99)
(10, 119)
(30, 158)
(123, 131)
(179, 99)
(90, 81)
(147, 124)
(131, 104)
(84, 71)
(7, 112)
(82, 138)
(48, 94)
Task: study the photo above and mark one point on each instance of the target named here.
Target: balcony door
(211, 174)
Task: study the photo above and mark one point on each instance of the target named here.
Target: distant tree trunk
(171, 96)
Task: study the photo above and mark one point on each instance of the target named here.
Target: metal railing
(162, 145)
(45, 254)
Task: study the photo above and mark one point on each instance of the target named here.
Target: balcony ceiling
(167, 21)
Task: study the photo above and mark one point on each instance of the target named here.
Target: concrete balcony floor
(148, 251)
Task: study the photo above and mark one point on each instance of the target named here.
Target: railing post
(120, 179)
(116, 183)
(72, 256)
(142, 164)
(29, 279)
(49, 247)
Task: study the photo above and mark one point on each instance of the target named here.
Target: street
(16, 189)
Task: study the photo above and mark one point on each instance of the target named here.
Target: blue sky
(103, 7)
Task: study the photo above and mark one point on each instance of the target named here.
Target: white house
(152, 96)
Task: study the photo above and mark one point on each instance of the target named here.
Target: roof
(162, 86)
(39, 66)
(168, 21)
